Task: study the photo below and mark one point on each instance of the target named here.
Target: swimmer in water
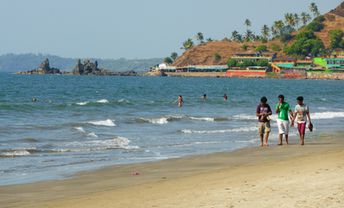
(180, 101)
(204, 96)
(225, 97)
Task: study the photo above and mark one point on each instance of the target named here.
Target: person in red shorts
(301, 115)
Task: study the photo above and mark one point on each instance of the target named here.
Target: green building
(330, 63)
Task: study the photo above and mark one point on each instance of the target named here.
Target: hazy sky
(130, 28)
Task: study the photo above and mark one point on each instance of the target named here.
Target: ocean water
(84, 123)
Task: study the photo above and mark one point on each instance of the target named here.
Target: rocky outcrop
(91, 68)
(44, 68)
(87, 68)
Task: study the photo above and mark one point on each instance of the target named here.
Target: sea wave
(102, 101)
(202, 118)
(92, 134)
(243, 129)
(15, 153)
(161, 120)
(117, 142)
(82, 103)
(80, 129)
(327, 115)
(107, 122)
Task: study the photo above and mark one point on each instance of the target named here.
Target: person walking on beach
(301, 114)
(263, 112)
(282, 109)
(180, 101)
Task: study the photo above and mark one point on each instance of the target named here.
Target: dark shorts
(301, 127)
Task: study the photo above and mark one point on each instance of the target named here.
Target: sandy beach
(287, 176)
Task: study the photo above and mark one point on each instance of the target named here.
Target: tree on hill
(210, 40)
(188, 44)
(217, 57)
(174, 56)
(306, 44)
(247, 23)
(297, 20)
(289, 19)
(236, 36)
(249, 36)
(278, 25)
(200, 37)
(305, 18)
(274, 31)
(336, 39)
(168, 60)
(266, 32)
(261, 48)
(314, 9)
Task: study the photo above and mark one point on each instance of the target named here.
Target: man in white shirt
(301, 114)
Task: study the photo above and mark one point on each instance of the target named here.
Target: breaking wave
(243, 129)
(107, 122)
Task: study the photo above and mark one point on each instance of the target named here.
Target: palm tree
(200, 37)
(174, 56)
(249, 35)
(209, 40)
(305, 18)
(265, 32)
(188, 44)
(274, 31)
(279, 25)
(297, 20)
(314, 9)
(235, 36)
(289, 19)
(248, 23)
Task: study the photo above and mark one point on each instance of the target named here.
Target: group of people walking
(286, 118)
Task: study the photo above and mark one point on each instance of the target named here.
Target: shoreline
(124, 179)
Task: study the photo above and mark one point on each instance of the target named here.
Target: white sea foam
(92, 134)
(83, 103)
(327, 115)
(202, 119)
(245, 117)
(123, 101)
(80, 129)
(243, 129)
(15, 153)
(107, 122)
(103, 101)
(160, 121)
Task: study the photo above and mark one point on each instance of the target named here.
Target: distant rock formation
(86, 68)
(91, 68)
(44, 68)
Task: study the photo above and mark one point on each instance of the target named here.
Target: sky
(131, 28)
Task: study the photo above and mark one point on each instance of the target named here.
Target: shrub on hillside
(306, 43)
(261, 48)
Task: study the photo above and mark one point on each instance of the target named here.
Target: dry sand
(287, 176)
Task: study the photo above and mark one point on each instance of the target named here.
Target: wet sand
(286, 176)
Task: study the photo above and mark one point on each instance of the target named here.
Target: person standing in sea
(283, 110)
(180, 101)
(263, 112)
(301, 114)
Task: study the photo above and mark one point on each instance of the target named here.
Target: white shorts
(283, 126)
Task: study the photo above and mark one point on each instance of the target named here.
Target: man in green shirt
(283, 110)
